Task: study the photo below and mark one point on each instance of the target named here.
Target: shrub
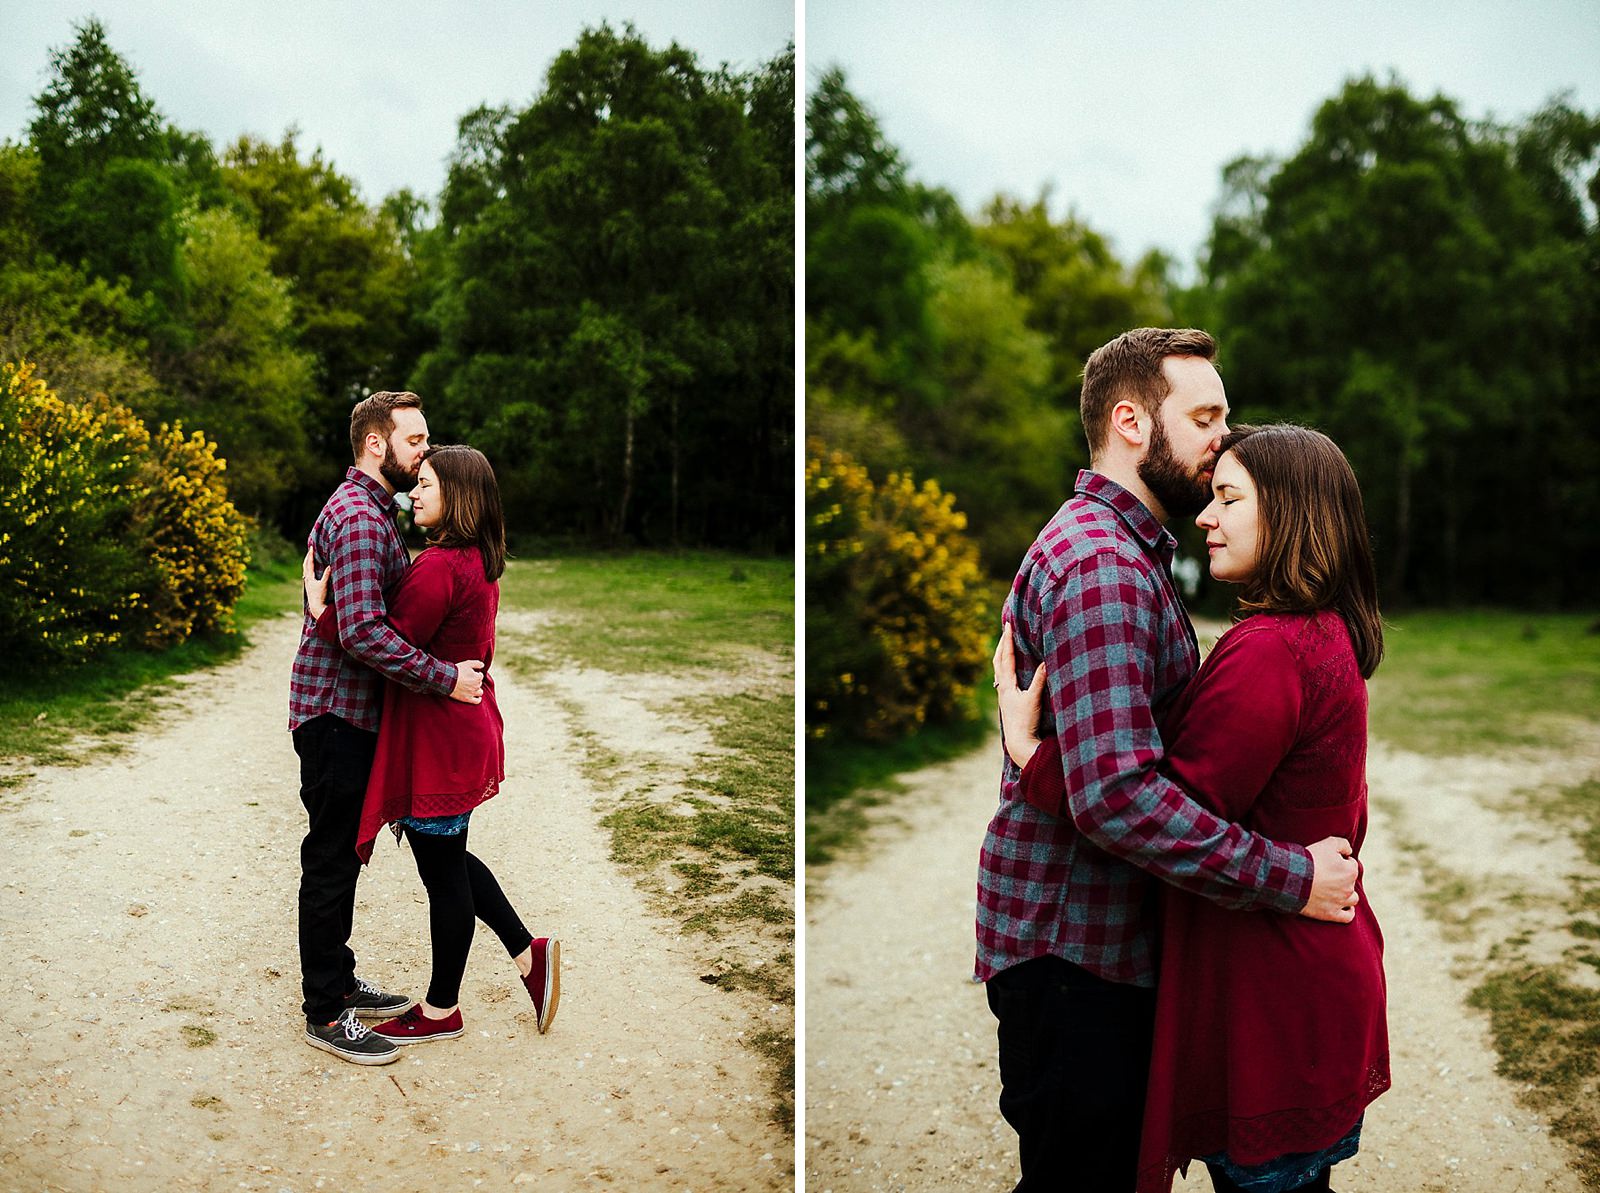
(108, 534)
(896, 604)
(70, 578)
(196, 538)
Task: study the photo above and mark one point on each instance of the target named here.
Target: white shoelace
(354, 1029)
(366, 987)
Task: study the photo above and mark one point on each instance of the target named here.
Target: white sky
(1130, 109)
(380, 86)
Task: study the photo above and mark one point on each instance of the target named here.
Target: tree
(106, 195)
(242, 377)
(611, 290)
(1416, 285)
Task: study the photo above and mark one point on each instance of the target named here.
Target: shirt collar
(1135, 515)
(372, 488)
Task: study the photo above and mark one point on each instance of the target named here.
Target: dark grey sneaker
(371, 1003)
(352, 1040)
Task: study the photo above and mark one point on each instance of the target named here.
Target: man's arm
(1099, 637)
(353, 552)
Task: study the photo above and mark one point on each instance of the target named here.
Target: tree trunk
(621, 523)
(675, 455)
(1402, 527)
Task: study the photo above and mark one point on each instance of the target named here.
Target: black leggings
(460, 889)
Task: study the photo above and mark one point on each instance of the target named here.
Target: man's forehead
(1194, 381)
(408, 420)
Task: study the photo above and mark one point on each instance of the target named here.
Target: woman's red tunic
(437, 756)
(1271, 1036)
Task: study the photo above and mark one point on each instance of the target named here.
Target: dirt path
(151, 988)
(900, 1078)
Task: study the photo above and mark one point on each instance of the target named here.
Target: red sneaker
(414, 1027)
(544, 980)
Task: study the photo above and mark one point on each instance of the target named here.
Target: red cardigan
(435, 756)
(1270, 1034)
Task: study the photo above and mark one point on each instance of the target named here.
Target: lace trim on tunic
(1281, 1133)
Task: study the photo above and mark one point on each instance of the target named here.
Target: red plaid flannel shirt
(1094, 598)
(355, 535)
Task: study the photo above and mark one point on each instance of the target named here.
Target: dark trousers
(461, 889)
(1074, 1061)
(335, 759)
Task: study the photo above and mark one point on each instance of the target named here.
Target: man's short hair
(1130, 367)
(376, 413)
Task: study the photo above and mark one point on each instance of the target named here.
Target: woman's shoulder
(1300, 635)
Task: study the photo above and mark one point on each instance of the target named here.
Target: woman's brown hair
(1315, 551)
(469, 501)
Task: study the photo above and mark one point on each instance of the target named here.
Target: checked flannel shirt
(1095, 600)
(355, 535)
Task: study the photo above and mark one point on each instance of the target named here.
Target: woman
(437, 759)
(1270, 1036)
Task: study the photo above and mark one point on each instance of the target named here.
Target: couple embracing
(395, 723)
(1171, 923)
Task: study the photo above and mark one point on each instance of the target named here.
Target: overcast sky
(1130, 109)
(380, 86)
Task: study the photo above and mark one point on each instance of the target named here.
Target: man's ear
(1130, 423)
(372, 445)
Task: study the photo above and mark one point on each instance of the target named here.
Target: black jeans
(335, 759)
(1074, 1061)
(461, 889)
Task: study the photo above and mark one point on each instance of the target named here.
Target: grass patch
(1479, 681)
(846, 778)
(61, 715)
(652, 611)
(718, 854)
(1547, 1032)
(198, 1037)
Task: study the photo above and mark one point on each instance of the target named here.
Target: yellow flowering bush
(108, 535)
(196, 538)
(896, 629)
(70, 579)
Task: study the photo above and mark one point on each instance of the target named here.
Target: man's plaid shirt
(355, 535)
(1094, 599)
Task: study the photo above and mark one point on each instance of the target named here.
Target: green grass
(55, 715)
(720, 868)
(1547, 1032)
(652, 611)
(1455, 683)
(845, 778)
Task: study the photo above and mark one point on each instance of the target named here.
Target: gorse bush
(196, 538)
(896, 602)
(109, 535)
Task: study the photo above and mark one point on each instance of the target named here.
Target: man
(1065, 932)
(335, 698)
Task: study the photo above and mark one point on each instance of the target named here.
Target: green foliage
(353, 291)
(896, 607)
(70, 579)
(613, 307)
(948, 347)
(241, 373)
(196, 539)
(108, 535)
(1423, 288)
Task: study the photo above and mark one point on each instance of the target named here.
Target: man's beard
(1181, 493)
(397, 476)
